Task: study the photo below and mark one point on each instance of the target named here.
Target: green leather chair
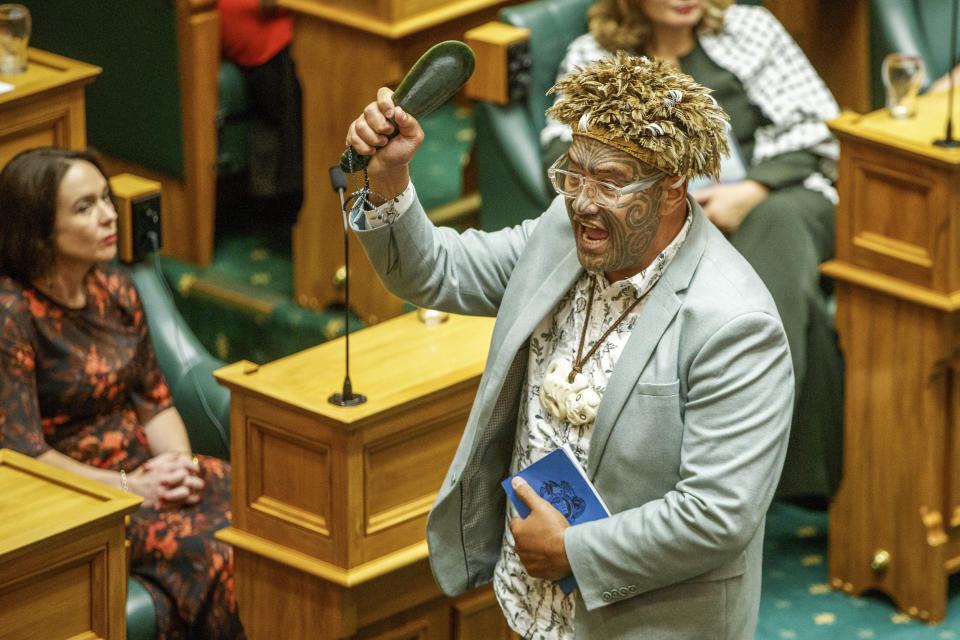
(204, 404)
(509, 167)
(920, 27)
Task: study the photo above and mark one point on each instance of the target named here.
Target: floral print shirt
(538, 609)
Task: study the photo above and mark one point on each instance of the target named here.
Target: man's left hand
(538, 538)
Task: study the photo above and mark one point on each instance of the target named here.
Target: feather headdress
(647, 109)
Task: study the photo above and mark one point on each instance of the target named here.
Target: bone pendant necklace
(565, 391)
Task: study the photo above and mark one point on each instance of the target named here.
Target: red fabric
(248, 36)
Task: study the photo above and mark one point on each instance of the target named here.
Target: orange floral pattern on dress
(84, 382)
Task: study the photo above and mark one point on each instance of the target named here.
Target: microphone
(347, 398)
(430, 82)
(338, 179)
(948, 142)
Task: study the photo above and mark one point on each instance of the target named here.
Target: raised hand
(368, 136)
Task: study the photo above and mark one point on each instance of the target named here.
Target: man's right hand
(388, 166)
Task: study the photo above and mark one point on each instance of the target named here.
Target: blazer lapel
(657, 314)
(517, 321)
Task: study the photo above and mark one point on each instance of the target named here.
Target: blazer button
(607, 596)
(623, 591)
(632, 588)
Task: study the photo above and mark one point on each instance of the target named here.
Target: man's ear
(674, 195)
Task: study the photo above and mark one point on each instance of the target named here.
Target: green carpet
(797, 602)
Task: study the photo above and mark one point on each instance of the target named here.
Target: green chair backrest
(553, 25)
(187, 366)
(133, 107)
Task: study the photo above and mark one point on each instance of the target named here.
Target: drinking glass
(14, 35)
(902, 75)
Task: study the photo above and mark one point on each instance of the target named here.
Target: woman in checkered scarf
(776, 201)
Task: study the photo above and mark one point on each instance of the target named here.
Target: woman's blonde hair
(620, 25)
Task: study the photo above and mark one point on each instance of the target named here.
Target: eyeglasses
(605, 194)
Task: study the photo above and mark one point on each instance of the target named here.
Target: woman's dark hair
(29, 187)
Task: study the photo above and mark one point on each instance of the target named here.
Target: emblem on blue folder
(563, 498)
(558, 478)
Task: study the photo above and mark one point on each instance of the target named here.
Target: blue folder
(559, 479)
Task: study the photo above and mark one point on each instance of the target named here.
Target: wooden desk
(895, 521)
(344, 51)
(46, 107)
(63, 566)
(330, 503)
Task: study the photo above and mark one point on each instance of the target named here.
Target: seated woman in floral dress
(80, 387)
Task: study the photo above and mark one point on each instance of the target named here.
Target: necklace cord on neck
(578, 365)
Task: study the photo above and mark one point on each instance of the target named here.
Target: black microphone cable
(338, 180)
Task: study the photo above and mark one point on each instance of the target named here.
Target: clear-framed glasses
(606, 194)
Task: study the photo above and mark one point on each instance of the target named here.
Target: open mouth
(591, 237)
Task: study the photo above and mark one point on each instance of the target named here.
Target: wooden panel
(285, 495)
(271, 597)
(401, 590)
(886, 236)
(899, 209)
(835, 37)
(477, 616)
(949, 368)
(188, 234)
(403, 473)
(290, 471)
(318, 240)
(490, 43)
(431, 622)
(46, 107)
(395, 18)
(377, 465)
(396, 364)
(42, 502)
(63, 571)
(34, 124)
(894, 520)
(61, 602)
(892, 493)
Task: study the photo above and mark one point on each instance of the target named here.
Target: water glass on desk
(14, 35)
(902, 75)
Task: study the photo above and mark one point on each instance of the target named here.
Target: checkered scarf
(776, 76)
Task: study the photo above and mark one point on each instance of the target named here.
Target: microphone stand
(949, 142)
(347, 398)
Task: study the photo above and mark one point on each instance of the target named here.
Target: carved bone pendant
(555, 392)
(582, 406)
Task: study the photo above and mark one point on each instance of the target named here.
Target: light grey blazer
(688, 441)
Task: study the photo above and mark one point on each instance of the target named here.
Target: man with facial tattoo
(627, 328)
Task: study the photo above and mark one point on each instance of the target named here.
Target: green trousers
(785, 238)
